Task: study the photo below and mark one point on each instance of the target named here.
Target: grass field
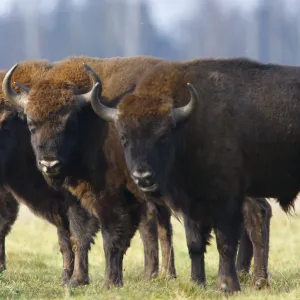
(34, 266)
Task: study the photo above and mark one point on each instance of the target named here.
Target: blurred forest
(106, 28)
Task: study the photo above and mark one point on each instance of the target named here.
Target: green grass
(34, 266)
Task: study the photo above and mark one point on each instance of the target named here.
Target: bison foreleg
(165, 235)
(118, 227)
(149, 236)
(245, 253)
(227, 231)
(257, 216)
(83, 228)
(197, 238)
(67, 253)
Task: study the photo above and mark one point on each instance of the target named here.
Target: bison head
(52, 110)
(147, 128)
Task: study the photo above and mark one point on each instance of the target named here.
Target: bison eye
(4, 126)
(31, 125)
(164, 137)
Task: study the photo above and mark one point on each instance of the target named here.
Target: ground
(34, 265)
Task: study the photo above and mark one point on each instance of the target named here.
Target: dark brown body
(241, 139)
(96, 169)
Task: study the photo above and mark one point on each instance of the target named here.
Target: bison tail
(287, 204)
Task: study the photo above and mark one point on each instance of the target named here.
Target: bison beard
(232, 141)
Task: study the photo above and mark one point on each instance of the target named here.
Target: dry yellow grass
(34, 265)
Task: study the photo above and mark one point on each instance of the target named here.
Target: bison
(207, 133)
(21, 180)
(70, 158)
(87, 159)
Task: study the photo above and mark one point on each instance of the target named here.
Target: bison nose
(50, 167)
(144, 178)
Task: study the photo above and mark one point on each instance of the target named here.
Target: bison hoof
(228, 286)
(108, 284)
(65, 276)
(2, 268)
(261, 283)
(169, 273)
(75, 282)
(224, 288)
(150, 275)
(199, 281)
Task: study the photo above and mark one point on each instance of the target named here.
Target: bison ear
(10, 94)
(181, 114)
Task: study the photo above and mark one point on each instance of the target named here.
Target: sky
(168, 12)
(165, 13)
(163, 10)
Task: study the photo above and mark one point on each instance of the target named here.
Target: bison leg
(197, 238)
(118, 227)
(245, 253)
(165, 235)
(83, 228)
(148, 233)
(9, 209)
(67, 253)
(227, 229)
(257, 216)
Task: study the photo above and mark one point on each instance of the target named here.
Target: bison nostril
(143, 178)
(49, 166)
(142, 175)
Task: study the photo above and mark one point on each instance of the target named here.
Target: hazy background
(266, 30)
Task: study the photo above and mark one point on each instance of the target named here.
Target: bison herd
(117, 144)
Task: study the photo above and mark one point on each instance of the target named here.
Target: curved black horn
(182, 113)
(10, 94)
(85, 98)
(106, 113)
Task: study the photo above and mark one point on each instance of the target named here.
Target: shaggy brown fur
(242, 138)
(69, 77)
(36, 69)
(51, 91)
(22, 181)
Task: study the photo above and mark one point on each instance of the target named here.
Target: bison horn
(107, 113)
(182, 113)
(10, 94)
(83, 99)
